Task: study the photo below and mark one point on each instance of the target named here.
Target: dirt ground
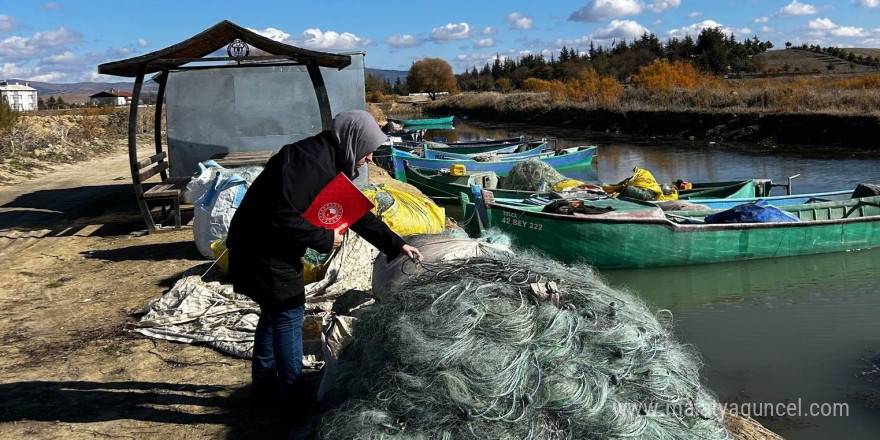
(76, 265)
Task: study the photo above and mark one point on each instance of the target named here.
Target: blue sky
(63, 41)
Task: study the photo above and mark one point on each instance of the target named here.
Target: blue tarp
(757, 212)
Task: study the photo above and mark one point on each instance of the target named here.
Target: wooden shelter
(193, 54)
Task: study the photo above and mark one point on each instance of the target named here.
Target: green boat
(727, 190)
(637, 236)
(446, 186)
(426, 121)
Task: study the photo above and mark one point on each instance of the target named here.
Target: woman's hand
(412, 252)
(339, 235)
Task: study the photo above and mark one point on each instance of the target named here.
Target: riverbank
(856, 134)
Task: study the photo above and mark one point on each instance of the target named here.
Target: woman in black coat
(268, 236)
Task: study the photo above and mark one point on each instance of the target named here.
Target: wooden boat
(512, 140)
(638, 235)
(727, 190)
(792, 199)
(424, 121)
(580, 158)
(446, 186)
(517, 151)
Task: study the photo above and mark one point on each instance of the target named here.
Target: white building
(19, 97)
(114, 97)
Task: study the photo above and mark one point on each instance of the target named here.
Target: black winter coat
(268, 235)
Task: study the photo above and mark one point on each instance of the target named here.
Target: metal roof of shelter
(211, 40)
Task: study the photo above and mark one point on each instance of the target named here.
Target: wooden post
(320, 93)
(132, 149)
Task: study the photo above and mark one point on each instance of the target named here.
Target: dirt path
(76, 264)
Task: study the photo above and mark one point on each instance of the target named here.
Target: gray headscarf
(358, 135)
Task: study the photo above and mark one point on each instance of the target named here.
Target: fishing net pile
(515, 348)
(530, 175)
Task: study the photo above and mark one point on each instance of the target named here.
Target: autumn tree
(431, 75)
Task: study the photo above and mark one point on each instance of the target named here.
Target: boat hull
(616, 243)
(582, 158)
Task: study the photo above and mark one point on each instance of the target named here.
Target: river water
(782, 331)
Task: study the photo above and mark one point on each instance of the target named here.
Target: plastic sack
(407, 214)
(436, 248)
(221, 254)
(566, 184)
(215, 199)
(644, 181)
(757, 212)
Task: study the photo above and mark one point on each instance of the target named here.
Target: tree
(40, 104)
(51, 102)
(711, 50)
(431, 75)
(788, 44)
(8, 117)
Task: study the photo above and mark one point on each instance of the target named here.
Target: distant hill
(80, 92)
(390, 75)
(805, 61)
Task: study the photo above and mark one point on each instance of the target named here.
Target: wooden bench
(167, 191)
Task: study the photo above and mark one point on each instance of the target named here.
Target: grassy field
(803, 61)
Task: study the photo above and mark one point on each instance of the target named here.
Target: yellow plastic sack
(314, 273)
(217, 248)
(563, 185)
(410, 214)
(311, 273)
(643, 179)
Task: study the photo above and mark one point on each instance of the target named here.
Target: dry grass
(666, 87)
(69, 135)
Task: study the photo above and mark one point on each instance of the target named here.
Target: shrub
(588, 86)
(503, 85)
(536, 85)
(557, 90)
(662, 76)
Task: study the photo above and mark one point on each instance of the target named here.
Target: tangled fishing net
(529, 175)
(515, 348)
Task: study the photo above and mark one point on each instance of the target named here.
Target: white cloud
(821, 24)
(599, 10)
(766, 29)
(30, 73)
(489, 30)
(40, 43)
(401, 41)
(695, 29)
(849, 32)
(484, 43)
(663, 5)
(657, 22)
(761, 19)
(619, 29)
(330, 40)
(821, 28)
(67, 57)
(871, 42)
(797, 8)
(142, 42)
(50, 7)
(519, 21)
(695, 14)
(867, 3)
(452, 31)
(272, 34)
(7, 23)
(317, 39)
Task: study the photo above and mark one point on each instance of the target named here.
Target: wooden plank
(143, 163)
(152, 171)
(169, 188)
(240, 158)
